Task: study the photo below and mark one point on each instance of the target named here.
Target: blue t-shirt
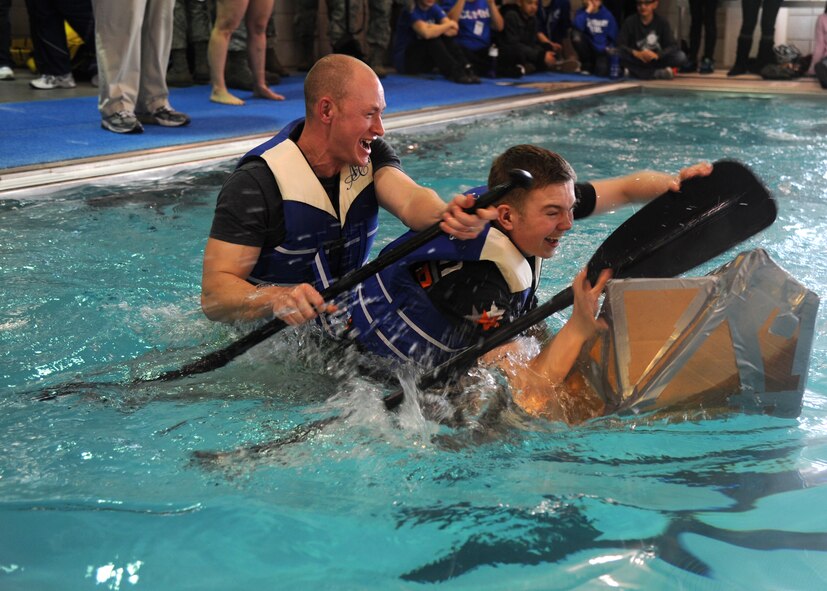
(405, 33)
(474, 24)
(599, 28)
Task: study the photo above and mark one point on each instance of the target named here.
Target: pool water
(101, 489)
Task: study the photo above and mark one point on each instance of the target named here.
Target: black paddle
(220, 358)
(670, 235)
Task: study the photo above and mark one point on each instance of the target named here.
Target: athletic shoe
(122, 122)
(664, 74)
(164, 116)
(50, 82)
(707, 66)
(6, 73)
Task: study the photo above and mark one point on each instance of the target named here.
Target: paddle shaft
(220, 358)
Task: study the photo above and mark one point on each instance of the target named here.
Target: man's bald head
(333, 75)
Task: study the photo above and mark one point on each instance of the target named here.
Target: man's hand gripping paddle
(670, 235)
(216, 359)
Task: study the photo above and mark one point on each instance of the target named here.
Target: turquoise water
(100, 490)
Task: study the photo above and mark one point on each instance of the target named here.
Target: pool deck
(32, 178)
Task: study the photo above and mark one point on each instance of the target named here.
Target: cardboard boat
(739, 337)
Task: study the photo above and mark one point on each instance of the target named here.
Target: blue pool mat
(40, 132)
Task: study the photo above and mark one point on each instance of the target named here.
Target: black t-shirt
(249, 209)
(479, 299)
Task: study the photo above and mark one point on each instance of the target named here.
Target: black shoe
(165, 117)
(737, 70)
(707, 66)
(689, 68)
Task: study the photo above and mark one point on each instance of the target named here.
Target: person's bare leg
(258, 14)
(228, 16)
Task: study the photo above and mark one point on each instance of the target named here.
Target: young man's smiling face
(543, 217)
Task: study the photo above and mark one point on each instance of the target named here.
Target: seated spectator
(476, 19)
(47, 20)
(425, 40)
(647, 47)
(554, 27)
(594, 37)
(520, 48)
(818, 67)
(6, 71)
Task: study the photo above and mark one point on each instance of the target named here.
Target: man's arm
(226, 296)
(641, 187)
(419, 207)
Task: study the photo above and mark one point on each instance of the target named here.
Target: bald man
(301, 209)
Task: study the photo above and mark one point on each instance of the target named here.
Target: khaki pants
(133, 40)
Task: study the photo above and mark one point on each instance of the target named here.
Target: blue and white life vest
(320, 246)
(393, 316)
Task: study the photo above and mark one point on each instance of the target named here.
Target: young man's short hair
(547, 168)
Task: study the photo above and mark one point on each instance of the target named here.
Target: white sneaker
(6, 73)
(49, 82)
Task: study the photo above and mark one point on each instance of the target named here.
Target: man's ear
(325, 109)
(505, 214)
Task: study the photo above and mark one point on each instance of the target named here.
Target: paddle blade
(680, 230)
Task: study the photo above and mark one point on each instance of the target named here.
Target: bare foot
(225, 98)
(266, 93)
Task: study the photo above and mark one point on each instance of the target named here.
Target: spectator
(47, 20)
(520, 47)
(228, 16)
(554, 27)
(594, 36)
(647, 47)
(341, 29)
(6, 71)
(702, 13)
(476, 20)
(133, 43)
(425, 40)
(190, 33)
(749, 10)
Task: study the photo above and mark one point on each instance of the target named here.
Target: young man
(648, 48)
(446, 295)
(301, 209)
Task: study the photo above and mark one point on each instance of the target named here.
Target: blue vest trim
(393, 316)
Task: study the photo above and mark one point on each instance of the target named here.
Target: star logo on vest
(488, 319)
